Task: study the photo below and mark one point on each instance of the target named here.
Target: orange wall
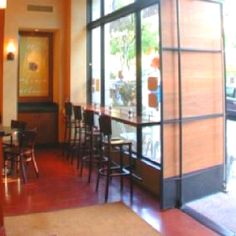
(68, 23)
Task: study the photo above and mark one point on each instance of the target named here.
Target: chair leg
(35, 164)
(22, 167)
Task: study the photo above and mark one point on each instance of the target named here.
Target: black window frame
(134, 8)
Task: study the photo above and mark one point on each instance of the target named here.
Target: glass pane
(96, 66)
(121, 130)
(151, 145)
(113, 5)
(120, 64)
(151, 80)
(96, 9)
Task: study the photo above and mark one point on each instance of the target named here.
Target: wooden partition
(193, 100)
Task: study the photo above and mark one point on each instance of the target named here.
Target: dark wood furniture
(13, 137)
(23, 153)
(91, 144)
(43, 116)
(139, 122)
(111, 168)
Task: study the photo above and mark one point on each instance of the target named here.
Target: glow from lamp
(3, 4)
(11, 49)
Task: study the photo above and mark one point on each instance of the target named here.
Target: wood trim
(1, 61)
(2, 18)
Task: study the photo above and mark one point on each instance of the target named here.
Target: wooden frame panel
(202, 146)
(202, 83)
(199, 26)
(169, 30)
(170, 85)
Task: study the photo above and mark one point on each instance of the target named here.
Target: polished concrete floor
(60, 186)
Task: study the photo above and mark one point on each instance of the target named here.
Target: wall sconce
(11, 49)
(3, 4)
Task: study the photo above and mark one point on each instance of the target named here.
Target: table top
(5, 130)
(122, 116)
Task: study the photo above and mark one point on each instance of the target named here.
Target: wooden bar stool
(91, 144)
(68, 123)
(78, 129)
(111, 168)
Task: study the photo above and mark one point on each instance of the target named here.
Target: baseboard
(194, 186)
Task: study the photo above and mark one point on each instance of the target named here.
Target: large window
(124, 67)
(150, 61)
(120, 64)
(96, 66)
(113, 5)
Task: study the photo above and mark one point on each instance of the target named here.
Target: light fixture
(11, 49)
(3, 4)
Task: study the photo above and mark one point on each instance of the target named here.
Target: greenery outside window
(124, 55)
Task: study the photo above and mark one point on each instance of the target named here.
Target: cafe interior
(98, 89)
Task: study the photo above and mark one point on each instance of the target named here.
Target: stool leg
(108, 173)
(78, 151)
(121, 169)
(131, 172)
(90, 156)
(99, 166)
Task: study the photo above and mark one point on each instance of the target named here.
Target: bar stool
(76, 141)
(91, 144)
(111, 168)
(68, 122)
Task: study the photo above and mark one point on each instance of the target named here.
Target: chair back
(77, 113)
(19, 125)
(89, 118)
(105, 125)
(27, 138)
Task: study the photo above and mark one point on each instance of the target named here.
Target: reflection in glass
(124, 131)
(151, 146)
(113, 5)
(151, 94)
(96, 66)
(120, 64)
(96, 9)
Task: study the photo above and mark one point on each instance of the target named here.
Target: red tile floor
(59, 186)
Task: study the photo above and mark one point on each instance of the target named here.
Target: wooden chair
(111, 168)
(24, 153)
(16, 126)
